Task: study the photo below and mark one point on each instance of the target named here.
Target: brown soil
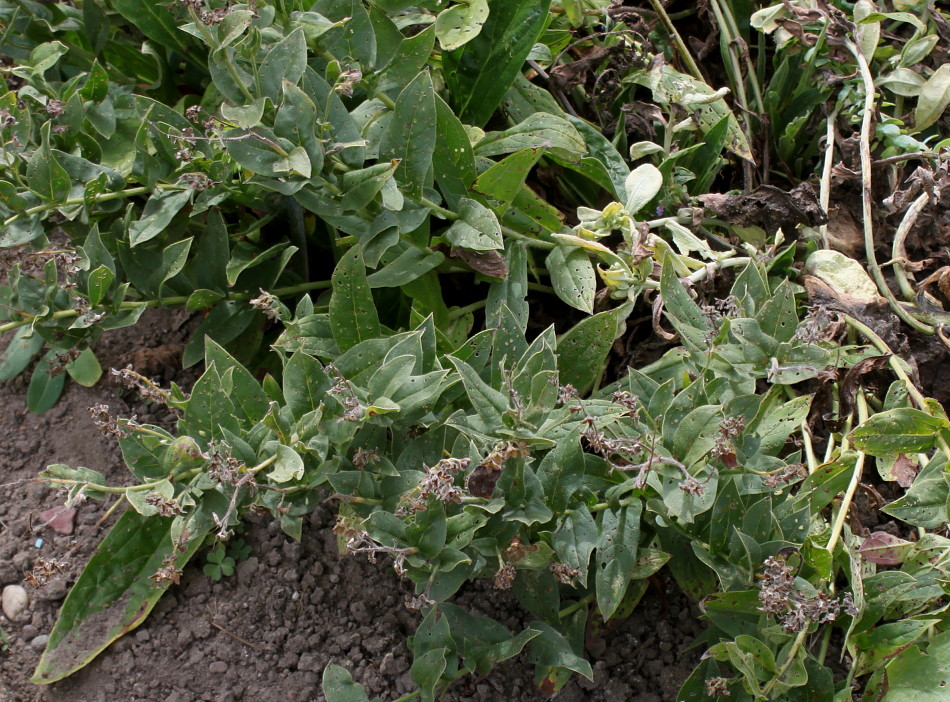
(291, 608)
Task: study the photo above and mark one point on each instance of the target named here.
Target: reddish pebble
(60, 519)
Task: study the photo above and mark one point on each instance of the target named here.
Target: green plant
(219, 564)
(350, 194)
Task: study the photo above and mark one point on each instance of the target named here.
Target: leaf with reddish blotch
(885, 549)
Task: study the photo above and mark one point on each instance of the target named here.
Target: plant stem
(838, 525)
(131, 192)
(570, 609)
(867, 212)
(898, 254)
(462, 311)
(677, 40)
(173, 301)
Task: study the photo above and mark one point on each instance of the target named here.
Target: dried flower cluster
(269, 304)
(108, 424)
(563, 573)
(135, 381)
(44, 570)
(438, 482)
(780, 598)
(342, 390)
(223, 467)
(729, 429)
(165, 506)
(168, 573)
(505, 577)
(207, 17)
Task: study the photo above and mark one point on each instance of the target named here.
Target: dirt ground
(291, 608)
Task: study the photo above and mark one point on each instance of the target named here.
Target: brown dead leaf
(490, 263)
(769, 207)
(481, 481)
(853, 379)
(844, 234)
(904, 471)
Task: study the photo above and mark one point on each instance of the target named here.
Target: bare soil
(291, 608)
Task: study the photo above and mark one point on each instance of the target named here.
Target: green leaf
(477, 228)
(616, 555)
(244, 116)
(338, 685)
(353, 316)
(925, 503)
(159, 211)
(288, 466)
(257, 150)
(479, 73)
(245, 256)
(361, 186)
(44, 390)
(453, 160)
(914, 675)
(902, 430)
(409, 58)
(934, 98)
(411, 264)
(551, 649)
(642, 185)
(562, 472)
(355, 39)
(582, 352)
(155, 21)
(411, 135)
(285, 62)
(427, 670)
(572, 276)
(85, 370)
(459, 24)
(502, 181)
(305, 384)
(46, 177)
(575, 539)
(24, 345)
(114, 593)
(672, 87)
(552, 134)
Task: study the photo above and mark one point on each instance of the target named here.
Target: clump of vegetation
(374, 206)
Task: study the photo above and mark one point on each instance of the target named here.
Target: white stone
(15, 603)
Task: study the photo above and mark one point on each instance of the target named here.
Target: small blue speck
(38, 543)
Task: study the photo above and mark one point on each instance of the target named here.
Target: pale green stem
(898, 254)
(131, 192)
(173, 301)
(677, 40)
(867, 212)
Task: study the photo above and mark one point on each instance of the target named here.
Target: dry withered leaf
(490, 263)
(904, 470)
(769, 207)
(852, 379)
(481, 481)
(843, 232)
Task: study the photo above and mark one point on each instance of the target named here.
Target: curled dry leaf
(769, 207)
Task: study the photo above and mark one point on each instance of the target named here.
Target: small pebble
(15, 603)
(60, 519)
(38, 643)
(218, 667)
